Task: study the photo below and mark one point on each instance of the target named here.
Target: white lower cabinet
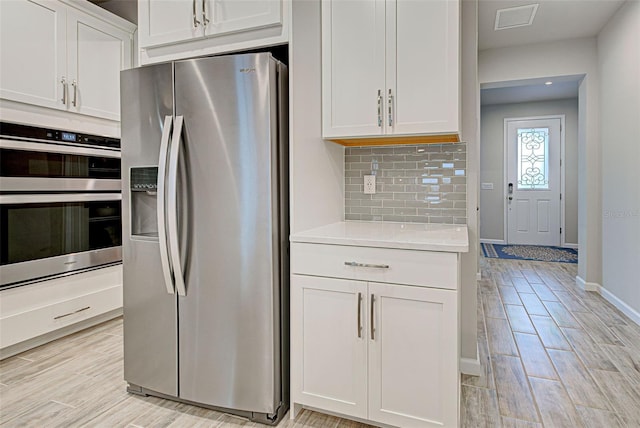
(380, 352)
(329, 344)
(31, 314)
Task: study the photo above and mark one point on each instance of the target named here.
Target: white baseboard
(574, 246)
(609, 297)
(493, 241)
(470, 366)
(587, 286)
(624, 308)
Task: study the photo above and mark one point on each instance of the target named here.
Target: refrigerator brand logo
(247, 70)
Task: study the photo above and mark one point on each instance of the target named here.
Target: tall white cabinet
(374, 322)
(58, 55)
(390, 68)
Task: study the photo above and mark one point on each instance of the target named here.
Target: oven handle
(47, 198)
(57, 148)
(161, 205)
(172, 207)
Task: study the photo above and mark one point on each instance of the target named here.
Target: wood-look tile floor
(552, 356)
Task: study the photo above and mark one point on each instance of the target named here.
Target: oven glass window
(37, 231)
(22, 163)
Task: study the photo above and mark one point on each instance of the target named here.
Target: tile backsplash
(419, 184)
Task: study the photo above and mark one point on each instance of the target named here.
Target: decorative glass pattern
(533, 158)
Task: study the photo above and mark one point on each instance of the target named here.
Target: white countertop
(410, 236)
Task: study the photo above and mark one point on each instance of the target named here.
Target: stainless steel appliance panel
(44, 235)
(150, 312)
(229, 323)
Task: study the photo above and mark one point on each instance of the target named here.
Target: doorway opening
(543, 170)
(534, 151)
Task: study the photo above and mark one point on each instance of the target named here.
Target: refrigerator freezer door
(150, 313)
(229, 319)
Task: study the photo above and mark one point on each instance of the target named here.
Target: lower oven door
(45, 235)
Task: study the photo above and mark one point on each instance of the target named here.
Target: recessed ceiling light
(548, 83)
(513, 17)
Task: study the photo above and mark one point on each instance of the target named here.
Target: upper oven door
(43, 167)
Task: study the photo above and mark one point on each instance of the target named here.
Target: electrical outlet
(369, 184)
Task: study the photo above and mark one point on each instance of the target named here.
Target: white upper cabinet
(229, 16)
(32, 50)
(96, 54)
(163, 22)
(58, 56)
(407, 51)
(170, 22)
(353, 67)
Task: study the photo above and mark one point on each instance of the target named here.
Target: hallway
(552, 354)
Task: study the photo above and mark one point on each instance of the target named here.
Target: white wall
(317, 167)
(470, 133)
(492, 163)
(565, 58)
(619, 67)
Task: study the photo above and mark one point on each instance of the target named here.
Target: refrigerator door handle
(172, 207)
(161, 205)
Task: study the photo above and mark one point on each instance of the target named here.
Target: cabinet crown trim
(102, 14)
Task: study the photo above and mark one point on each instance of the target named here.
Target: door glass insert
(533, 158)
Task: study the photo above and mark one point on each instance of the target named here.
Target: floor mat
(530, 252)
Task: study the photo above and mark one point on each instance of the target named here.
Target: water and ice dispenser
(144, 213)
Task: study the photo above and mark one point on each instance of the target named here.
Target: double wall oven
(60, 203)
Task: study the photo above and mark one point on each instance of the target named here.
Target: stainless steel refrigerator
(205, 233)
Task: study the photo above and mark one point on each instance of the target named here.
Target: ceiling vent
(514, 17)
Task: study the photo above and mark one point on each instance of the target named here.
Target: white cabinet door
(329, 344)
(423, 71)
(408, 50)
(229, 16)
(169, 21)
(96, 53)
(32, 52)
(353, 61)
(413, 357)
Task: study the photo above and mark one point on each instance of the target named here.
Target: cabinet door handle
(64, 90)
(390, 108)
(379, 108)
(195, 20)
(359, 315)
(75, 93)
(205, 20)
(366, 265)
(71, 313)
(373, 329)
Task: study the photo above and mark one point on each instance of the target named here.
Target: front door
(533, 182)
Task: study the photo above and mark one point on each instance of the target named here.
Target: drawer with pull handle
(411, 267)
